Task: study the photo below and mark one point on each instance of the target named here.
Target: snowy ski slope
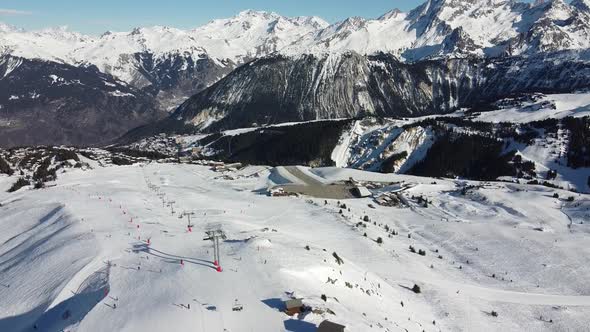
(100, 251)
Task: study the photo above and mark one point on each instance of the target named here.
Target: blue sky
(97, 16)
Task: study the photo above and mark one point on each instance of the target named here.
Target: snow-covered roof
(363, 191)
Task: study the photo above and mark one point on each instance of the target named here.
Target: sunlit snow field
(504, 248)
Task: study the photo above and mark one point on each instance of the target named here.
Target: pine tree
(416, 289)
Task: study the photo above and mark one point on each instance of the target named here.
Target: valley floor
(101, 251)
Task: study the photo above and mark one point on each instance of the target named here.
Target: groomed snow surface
(555, 106)
(76, 256)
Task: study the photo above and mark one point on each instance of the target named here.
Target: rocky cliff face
(173, 78)
(44, 103)
(282, 89)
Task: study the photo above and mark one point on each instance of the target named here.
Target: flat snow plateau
(554, 106)
(76, 256)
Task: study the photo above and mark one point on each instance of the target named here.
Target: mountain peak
(439, 5)
(390, 14)
(313, 21)
(249, 13)
(62, 33)
(154, 29)
(355, 22)
(583, 5)
(9, 28)
(487, 25)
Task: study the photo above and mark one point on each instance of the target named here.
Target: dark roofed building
(327, 326)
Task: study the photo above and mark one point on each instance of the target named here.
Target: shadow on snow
(67, 313)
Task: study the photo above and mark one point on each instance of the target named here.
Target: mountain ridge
(251, 34)
(279, 89)
(436, 28)
(170, 65)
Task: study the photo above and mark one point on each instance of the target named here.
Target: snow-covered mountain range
(436, 28)
(281, 89)
(171, 65)
(227, 42)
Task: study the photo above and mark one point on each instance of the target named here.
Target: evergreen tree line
(466, 155)
(578, 154)
(308, 143)
(5, 167)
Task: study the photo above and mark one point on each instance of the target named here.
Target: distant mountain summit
(170, 65)
(487, 27)
(248, 35)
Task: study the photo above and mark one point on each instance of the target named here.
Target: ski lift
(237, 306)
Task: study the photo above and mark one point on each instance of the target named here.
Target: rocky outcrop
(43, 103)
(282, 89)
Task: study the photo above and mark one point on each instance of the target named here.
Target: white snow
(416, 142)
(56, 245)
(555, 106)
(249, 34)
(55, 78)
(367, 145)
(11, 64)
(118, 93)
(252, 34)
(280, 175)
(341, 153)
(236, 132)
